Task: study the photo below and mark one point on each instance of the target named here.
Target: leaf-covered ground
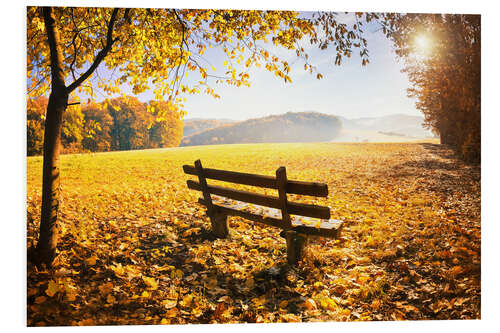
(136, 248)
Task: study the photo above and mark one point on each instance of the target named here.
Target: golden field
(136, 248)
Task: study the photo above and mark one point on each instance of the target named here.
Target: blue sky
(349, 90)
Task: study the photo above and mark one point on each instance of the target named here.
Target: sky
(350, 90)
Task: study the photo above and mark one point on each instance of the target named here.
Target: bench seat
(296, 220)
(303, 224)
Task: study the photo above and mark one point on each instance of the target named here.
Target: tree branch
(56, 66)
(100, 56)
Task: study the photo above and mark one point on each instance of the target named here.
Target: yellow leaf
(291, 318)
(176, 274)
(187, 300)
(118, 269)
(70, 291)
(52, 289)
(323, 303)
(169, 303)
(132, 271)
(310, 304)
(150, 282)
(145, 294)
(164, 321)
(331, 304)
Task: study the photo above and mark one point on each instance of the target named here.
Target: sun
(423, 44)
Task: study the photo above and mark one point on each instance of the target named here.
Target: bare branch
(100, 56)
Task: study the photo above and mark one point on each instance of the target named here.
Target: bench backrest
(280, 183)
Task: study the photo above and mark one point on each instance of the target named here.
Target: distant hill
(196, 125)
(288, 127)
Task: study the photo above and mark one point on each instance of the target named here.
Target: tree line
(123, 123)
(445, 74)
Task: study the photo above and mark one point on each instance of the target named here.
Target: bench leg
(294, 245)
(219, 225)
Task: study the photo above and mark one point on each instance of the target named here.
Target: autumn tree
(166, 130)
(131, 122)
(143, 47)
(72, 131)
(97, 128)
(442, 54)
(35, 123)
(117, 124)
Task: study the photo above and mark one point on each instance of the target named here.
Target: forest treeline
(288, 127)
(123, 123)
(446, 80)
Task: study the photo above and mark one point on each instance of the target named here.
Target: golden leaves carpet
(136, 248)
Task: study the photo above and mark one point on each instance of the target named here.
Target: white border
(13, 283)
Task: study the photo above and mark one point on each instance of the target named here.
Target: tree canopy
(158, 47)
(442, 54)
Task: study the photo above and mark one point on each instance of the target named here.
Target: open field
(136, 247)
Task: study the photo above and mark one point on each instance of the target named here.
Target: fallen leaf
(40, 299)
(150, 282)
(169, 303)
(52, 288)
(106, 288)
(172, 313)
(310, 304)
(91, 261)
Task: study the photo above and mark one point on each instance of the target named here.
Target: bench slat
(292, 186)
(330, 232)
(265, 200)
(333, 231)
(250, 216)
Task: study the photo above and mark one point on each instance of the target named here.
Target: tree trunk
(47, 243)
(46, 247)
(45, 251)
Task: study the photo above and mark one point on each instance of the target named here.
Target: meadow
(136, 248)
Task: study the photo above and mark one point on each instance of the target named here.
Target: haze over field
(392, 128)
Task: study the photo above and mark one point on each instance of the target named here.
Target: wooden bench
(296, 219)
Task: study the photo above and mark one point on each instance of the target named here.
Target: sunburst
(423, 44)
